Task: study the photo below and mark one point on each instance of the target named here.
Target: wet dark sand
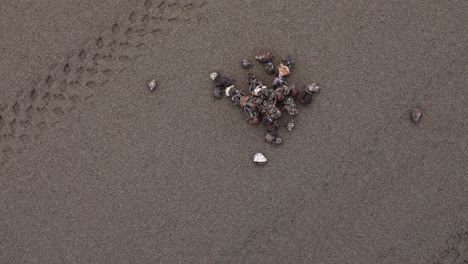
(97, 169)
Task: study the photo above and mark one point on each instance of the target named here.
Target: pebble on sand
(152, 85)
(259, 159)
(416, 115)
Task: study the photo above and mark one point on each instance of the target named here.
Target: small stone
(152, 85)
(312, 88)
(223, 82)
(217, 93)
(214, 76)
(270, 68)
(294, 91)
(259, 159)
(287, 61)
(269, 138)
(246, 64)
(290, 126)
(416, 115)
(307, 99)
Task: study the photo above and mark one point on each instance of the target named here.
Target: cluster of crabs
(265, 104)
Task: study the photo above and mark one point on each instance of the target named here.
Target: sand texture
(95, 168)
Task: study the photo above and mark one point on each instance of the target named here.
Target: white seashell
(152, 85)
(312, 88)
(214, 76)
(259, 159)
(257, 90)
(228, 90)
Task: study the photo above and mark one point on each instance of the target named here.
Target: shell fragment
(152, 85)
(259, 159)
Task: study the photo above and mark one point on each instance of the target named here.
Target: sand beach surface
(95, 168)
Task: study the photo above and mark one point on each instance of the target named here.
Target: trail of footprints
(71, 83)
(456, 251)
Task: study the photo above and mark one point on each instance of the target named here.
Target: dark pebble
(307, 99)
(224, 82)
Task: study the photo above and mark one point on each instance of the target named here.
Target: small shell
(290, 126)
(283, 71)
(312, 88)
(278, 81)
(259, 159)
(228, 90)
(251, 78)
(294, 92)
(152, 85)
(277, 141)
(264, 57)
(257, 90)
(287, 61)
(307, 99)
(214, 76)
(254, 121)
(269, 138)
(270, 68)
(416, 115)
(246, 64)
